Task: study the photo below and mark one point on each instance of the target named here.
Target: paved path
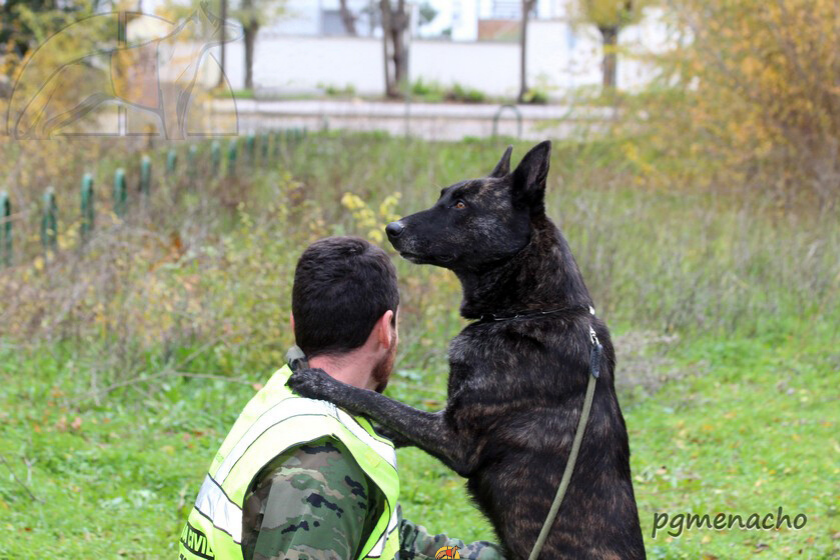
(434, 121)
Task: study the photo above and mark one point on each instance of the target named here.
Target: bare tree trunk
(386, 31)
(347, 18)
(250, 39)
(400, 48)
(223, 16)
(250, 26)
(394, 26)
(610, 66)
(527, 6)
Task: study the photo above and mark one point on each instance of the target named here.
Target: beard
(382, 371)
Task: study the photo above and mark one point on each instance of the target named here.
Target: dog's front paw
(313, 383)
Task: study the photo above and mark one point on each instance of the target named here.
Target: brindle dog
(518, 372)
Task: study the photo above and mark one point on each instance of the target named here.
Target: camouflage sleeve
(417, 544)
(311, 503)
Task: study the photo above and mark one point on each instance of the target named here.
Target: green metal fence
(120, 193)
(145, 176)
(49, 220)
(171, 161)
(88, 214)
(232, 149)
(258, 149)
(5, 229)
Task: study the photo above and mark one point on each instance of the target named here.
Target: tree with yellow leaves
(759, 94)
(610, 17)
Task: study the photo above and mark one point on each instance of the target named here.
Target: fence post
(145, 176)
(120, 193)
(249, 145)
(6, 229)
(171, 161)
(277, 137)
(264, 147)
(231, 170)
(49, 221)
(192, 162)
(216, 157)
(87, 205)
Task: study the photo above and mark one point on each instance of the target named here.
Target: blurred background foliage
(747, 100)
(673, 260)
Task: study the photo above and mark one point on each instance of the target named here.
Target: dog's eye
(459, 205)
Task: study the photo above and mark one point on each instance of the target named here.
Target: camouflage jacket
(315, 503)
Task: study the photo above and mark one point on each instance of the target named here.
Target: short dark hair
(342, 286)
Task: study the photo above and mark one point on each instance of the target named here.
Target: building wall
(307, 64)
(560, 57)
(489, 67)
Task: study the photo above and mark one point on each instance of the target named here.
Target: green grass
(750, 427)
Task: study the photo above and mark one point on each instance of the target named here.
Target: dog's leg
(426, 430)
(396, 438)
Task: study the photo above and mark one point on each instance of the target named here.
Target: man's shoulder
(319, 471)
(304, 494)
(275, 403)
(326, 455)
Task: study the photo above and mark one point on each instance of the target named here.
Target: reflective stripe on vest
(276, 420)
(213, 504)
(296, 406)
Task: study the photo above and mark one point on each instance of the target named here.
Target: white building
(457, 19)
(473, 43)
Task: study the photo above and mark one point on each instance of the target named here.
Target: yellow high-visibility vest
(274, 421)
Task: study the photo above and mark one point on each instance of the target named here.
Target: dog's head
(478, 222)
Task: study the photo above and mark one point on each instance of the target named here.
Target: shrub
(752, 94)
(427, 90)
(535, 96)
(465, 94)
(331, 90)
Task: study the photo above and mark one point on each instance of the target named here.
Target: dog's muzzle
(394, 229)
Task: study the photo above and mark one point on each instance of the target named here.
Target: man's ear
(529, 178)
(385, 328)
(292, 321)
(503, 167)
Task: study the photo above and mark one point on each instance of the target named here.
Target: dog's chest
(480, 360)
(467, 358)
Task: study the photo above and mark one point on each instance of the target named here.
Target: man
(301, 479)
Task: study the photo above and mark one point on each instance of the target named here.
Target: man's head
(344, 301)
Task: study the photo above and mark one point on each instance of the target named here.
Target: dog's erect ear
(503, 167)
(530, 175)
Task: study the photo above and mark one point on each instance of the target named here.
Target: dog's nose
(394, 229)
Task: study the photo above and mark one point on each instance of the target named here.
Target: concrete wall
(300, 64)
(490, 67)
(560, 57)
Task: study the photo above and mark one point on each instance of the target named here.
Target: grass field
(725, 316)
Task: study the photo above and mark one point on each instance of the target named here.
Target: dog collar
(489, 317)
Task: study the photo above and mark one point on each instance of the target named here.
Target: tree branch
(22, 485)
